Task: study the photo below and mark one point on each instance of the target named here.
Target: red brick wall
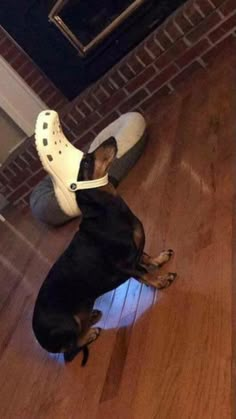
(188, 41)
(29, 72)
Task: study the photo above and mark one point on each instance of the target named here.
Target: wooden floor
(161, 356)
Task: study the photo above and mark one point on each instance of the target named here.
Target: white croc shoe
(59, 158)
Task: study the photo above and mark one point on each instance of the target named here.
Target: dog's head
(56, 333)
(64, 339)
(93, 166)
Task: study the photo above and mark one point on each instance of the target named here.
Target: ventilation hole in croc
(66, 145)
(55, 142)
(45, 125)
(49, 157)
(47, 113)
(53, 132)
(59, 152)
(45, 141)
(59, 141)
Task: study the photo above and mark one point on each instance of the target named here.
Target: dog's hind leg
(150, 278)
(150, 262)
(158, 281)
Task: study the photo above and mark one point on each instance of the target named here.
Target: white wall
(17, 99)
(10, 135)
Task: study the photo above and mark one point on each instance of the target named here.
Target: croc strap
(88, 184)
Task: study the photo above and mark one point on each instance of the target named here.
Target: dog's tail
(69, 356)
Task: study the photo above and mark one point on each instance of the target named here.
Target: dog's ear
(107, 151)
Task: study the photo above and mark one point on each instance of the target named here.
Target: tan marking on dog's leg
(88, 337)
(163, 257)
(160, 281)
(78, 321)
(159, 261)
(138, 234)
(164, 281)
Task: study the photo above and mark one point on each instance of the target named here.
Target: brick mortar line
(201, 62)
(104, 91)
(139, 59)
(145, 47)
(11, 47)
(29, 74)
(165, 31)
(131, 69)
(173, 77)
(221, 14)
(15, 58)
(178, 27)
(231, 32)
(69, 129)
(54, 93)
(212, 4)
(20, 201)
(60, 104)
(188, 19)
(119, 72)
(9, 168)
(34, 84)
(30, 153)
(150, 78)
(22, 66)
(158, 44)
(80, 111)
(126, 91)
(229, 15)
(72, 118)
(199, 10)
(88, 105)
(42, 90)
(24, 160)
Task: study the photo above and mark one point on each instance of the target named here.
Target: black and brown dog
(105, 252)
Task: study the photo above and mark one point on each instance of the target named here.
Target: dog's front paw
(92, 334)
(164, 281)
(163, 257)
